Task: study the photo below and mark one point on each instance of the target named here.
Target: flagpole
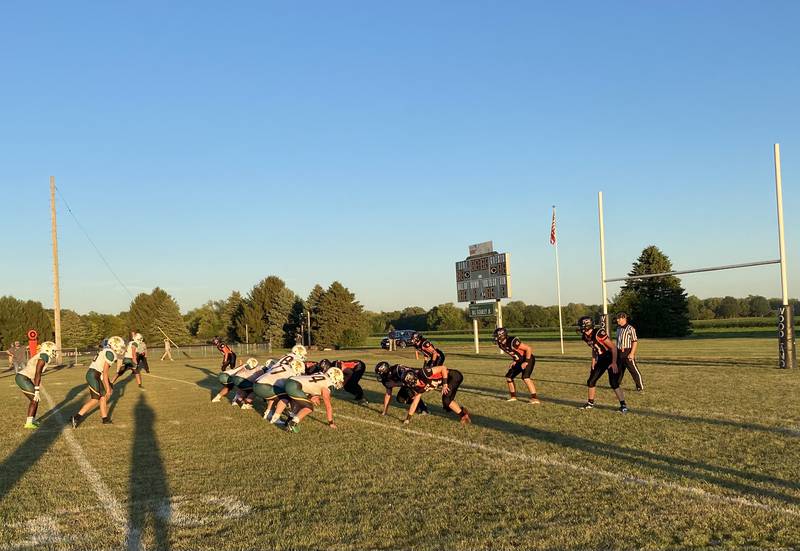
(558, 280)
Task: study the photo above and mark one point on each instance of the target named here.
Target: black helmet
(500, 334)
(416, 337)
(585, 323)
(408, 377)
(324, 364)
(215, 340)
(382, 370)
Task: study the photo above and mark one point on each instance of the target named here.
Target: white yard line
(548, 461)
(110, 503)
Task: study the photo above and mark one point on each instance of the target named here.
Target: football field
(708, 457)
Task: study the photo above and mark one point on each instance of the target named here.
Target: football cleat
(587, 405)
(622, 409)
(74, 422)
(465, 419)
(31, 426)
(216, 399)
(362, 402)
(512, 399)
(535, 401)
(247, 406)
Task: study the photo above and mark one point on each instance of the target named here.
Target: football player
(141, 355)
(435, 378)
(317, 367)
(228, 355)
(270, 385)
(29, 379)
(97, 376)
(390, 376)
(524, 362)
(242, 381)
(303, 392)
(130, 360)
(604, 358)
(226, 380)
(353, 371)
(433, 356)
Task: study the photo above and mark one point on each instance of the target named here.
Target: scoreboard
(483, 277)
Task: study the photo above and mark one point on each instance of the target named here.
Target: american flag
(553, 228)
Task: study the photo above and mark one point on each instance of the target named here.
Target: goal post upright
(604, 320)
(787, 352)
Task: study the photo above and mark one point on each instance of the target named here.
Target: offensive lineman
(30, 377)
(524, 362)
(97, 376)
(270, 385)
(604, 358)
(304, 391)
(353, 371)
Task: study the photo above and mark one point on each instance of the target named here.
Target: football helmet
(382, 370)
(298, 365)
(117, 345)
(138, 338)
(585, 323)
(299, 350)
(215, 341)
(336, 376)
(416, 338)
(324, 364)
(408, 377)
(49, 348)
(500, 334)
(252, 363)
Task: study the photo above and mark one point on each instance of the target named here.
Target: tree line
(271, 312)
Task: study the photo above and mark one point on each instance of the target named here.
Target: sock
(590, 402)
(106, 420)
(462, 413)
(534, 395)
(78, 416)
(29, 421)
(513, 394)
(622, 403)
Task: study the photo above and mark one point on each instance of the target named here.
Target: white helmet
(252, 363)
(299, 350)
(49, 348)
(138, 338)
(336, 376)
(298, 365)
(117, 344)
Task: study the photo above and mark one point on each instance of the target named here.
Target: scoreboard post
(485, 275)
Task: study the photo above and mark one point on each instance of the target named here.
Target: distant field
(709, 457)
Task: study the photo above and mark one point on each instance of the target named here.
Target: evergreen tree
(341, 318)
(266, 312)
(157, 310)
(75, 331)
(232, 313)
(658, 306)
(312, 304)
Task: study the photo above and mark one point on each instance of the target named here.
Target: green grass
(709, 457)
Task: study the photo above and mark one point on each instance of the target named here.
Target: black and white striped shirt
(626, 336)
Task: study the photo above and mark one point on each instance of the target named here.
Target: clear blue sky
(206, 145)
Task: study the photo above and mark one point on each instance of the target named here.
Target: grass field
(709, 457)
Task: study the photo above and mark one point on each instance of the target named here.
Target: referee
(627, 342)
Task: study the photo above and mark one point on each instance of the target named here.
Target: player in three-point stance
(435, 378)
(30, 377)
(391, 377)
(270, 385)
(433, 356)
(353, 371)
(131, 359)
(228, 355)
(303, 392)
(604, 358)
(524, 362)
(243, 382)
(97, 376)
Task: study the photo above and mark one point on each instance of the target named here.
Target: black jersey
(596, 341)
(513, 347)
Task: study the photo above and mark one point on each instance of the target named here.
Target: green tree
(207, 321)
(312, 304)
(658, 306)
(758, 306)
(729, 307)
(231, 314)
(154, 311)
(341, 318)
(75, 331)
(266, 313)
(17, 317)
(447, 317)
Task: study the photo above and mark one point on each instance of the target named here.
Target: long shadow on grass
(686, 468)
(119, 392)
(211, 382)
(149, 500)
(14, 467)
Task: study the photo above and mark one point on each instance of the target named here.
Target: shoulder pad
(44, 357)
(601, 334)
(515, 342)
(110, 356)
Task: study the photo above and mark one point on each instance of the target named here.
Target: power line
(96, 248)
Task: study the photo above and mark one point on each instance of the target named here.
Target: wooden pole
(475, 331)
(56, 292)
(604, 322)
(787, 351)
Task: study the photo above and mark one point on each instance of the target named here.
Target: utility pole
(56, 292)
